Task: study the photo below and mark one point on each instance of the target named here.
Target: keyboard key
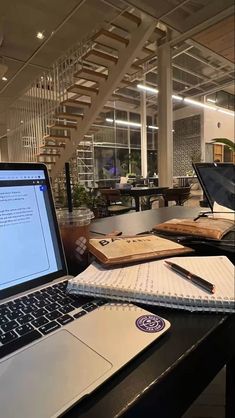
(39, 312)
(53, 315)
(24, 329)
(27, 309)
(14, 315)
(39, 322)
(90, 307)
(52, 326)
(66, 309)
(100, 302)
(63, 320)
(3, 319)
(18, 342)
(9, 336)
(9, 326)
(4, 310)
(25, 318)
(40, 303)
(79, 314)
(77, 303)
(53, 307)
(65, 301)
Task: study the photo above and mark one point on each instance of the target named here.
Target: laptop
(218, 183)
(55, 349)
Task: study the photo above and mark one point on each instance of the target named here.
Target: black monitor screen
(218, 182)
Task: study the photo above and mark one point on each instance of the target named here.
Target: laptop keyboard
(28, 318)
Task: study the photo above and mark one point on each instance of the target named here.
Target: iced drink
(74, 229)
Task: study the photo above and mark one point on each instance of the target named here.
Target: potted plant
(226, 142)
(91, 199)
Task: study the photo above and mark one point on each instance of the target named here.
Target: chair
(114, 202)
(177, 194)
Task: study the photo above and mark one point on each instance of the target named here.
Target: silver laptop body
(63, 349)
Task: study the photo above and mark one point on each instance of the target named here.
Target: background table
(138, 192)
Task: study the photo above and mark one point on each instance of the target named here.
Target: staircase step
(85, 165)
(48, 154)
(110, 39)
(91, 75)
(76, 103)
(52, 146)
(100, 58)
(62, 126)
(56, 137)
(125, 99)
(127, 22)
(145, 53)
(83, 90)
(46, 162)
(69, 116)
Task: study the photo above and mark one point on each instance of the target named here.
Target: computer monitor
(218, 182)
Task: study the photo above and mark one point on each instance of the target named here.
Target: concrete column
(165, 136)
(143, 134)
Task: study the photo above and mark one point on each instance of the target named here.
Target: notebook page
(155, 281)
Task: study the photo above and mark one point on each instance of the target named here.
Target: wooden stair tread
(90, 75)
(100, 58)
(83, 90)
(61, 126)
(125, 99)
(69, 116)
(52, 146)
(76, 103)
(127, 22)
(110, 39)
(53, 154)
(55, 137)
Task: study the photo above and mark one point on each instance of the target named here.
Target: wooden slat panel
(219, 38)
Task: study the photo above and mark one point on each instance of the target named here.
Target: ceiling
(201, 33)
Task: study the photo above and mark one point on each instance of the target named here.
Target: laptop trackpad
(43, 378)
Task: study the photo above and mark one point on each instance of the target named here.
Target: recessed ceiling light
(4, 78)
(40, 35)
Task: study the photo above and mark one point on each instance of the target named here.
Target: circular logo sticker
(150, 323)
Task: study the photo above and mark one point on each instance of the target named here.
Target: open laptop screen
(29, 241)
(218, 182)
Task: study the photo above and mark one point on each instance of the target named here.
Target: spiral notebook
(155, 284)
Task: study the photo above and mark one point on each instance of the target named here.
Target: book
(205, 227)
(155, 284)
(118, 250)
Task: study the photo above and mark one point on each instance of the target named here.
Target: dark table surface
(137, 222)
(166, 378)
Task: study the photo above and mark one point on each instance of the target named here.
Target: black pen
(192, 277)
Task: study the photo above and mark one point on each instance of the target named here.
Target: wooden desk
(137, 192)
(166, 378)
